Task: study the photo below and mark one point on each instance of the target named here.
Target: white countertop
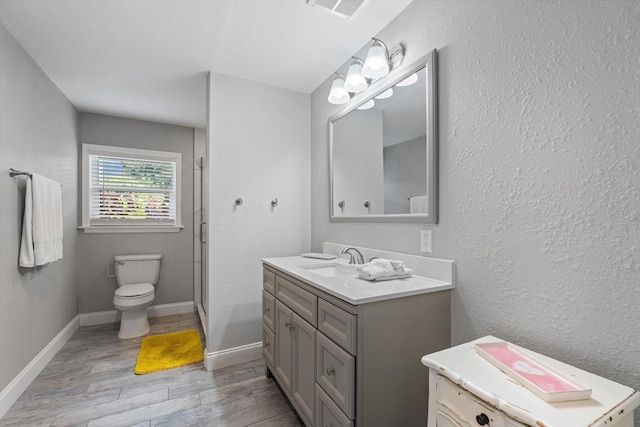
(350, 288)
(463, 366)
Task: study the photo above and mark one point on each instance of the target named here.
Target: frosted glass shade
(376, 64)
(355, 81)
(386, 94)
(338, 94)
(369, 104)
(409, 80)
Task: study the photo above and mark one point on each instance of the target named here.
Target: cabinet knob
(267, 345)
(292, 327)
(266, 310)
(287, 325)
(330, 371)
(482, 419)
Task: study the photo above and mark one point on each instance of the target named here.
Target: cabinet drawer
(335, 373)
(268, 309)
(268, 345)
(269, 281)
(304, 303)
(456, 404)
(327, 413)
(338, 325)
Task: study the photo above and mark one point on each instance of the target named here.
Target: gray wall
(405, 174)
(539, 173)
(95, 251)
(357, 164)
(258, 150)
(38, 133)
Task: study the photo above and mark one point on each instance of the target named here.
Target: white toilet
(136, 276)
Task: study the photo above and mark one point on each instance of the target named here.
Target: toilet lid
(135, 290)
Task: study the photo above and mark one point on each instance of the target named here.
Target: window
(130, 190)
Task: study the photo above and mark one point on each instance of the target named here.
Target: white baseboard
(232, 356)
(12, 392)
(113, 316)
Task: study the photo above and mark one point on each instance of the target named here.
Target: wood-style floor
(90, 382)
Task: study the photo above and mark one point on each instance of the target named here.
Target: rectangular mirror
(383, 157)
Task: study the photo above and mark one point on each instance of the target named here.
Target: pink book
(544, 381)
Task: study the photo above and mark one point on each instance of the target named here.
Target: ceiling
(148, 59)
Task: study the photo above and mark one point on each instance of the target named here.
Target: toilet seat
(136, 290)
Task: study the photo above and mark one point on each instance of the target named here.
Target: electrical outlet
(425, 241)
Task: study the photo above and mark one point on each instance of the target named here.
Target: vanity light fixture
(355, 81)
(369, 104)
(338, 94)
(376, 64)
(386, 94)
(409, 80)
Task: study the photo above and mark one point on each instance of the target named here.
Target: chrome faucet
(355, 256)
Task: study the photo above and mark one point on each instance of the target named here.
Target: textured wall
(38, 133)
(539, 174)
(97, 250)
(258, 150)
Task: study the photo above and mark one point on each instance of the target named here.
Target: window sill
(130, 229)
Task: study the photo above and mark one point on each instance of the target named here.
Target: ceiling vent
(342, 8)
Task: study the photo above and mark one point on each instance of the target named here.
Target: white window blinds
(131, 191)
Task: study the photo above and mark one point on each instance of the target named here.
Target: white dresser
(467, 390)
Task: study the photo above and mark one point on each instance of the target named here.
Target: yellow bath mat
(168, 351)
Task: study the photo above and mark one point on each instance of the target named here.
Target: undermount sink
(330, 269)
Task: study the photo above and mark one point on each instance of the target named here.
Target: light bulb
(338, 94)
(355, 81)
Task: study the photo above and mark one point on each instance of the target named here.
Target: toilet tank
(139, 268)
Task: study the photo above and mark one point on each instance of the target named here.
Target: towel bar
(15, 172)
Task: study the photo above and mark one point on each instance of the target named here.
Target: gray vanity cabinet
(295, 358)
(284, 345)
(351, 365)
(304, 360)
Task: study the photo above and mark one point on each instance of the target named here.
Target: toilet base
(133, 324)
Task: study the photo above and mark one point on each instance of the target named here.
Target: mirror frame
(429, 62)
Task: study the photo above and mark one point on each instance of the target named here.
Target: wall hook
(341, 204)
(367, 204)
(274, 202)
(239, 201)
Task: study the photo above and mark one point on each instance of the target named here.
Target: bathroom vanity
(468, 390)
(345, 351)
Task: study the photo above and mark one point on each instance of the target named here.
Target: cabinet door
(328, 413)
(284, 349)
(304, 365)
(268, 309)
(335, 373)
(269, 281)
(268, 345)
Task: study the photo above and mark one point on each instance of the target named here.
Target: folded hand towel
(383, 269)
(418, 204)
(42, 224)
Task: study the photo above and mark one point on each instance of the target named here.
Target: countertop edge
(432, 285)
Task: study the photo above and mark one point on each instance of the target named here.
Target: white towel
(383, 269)
(42, 224)
(418, 204)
